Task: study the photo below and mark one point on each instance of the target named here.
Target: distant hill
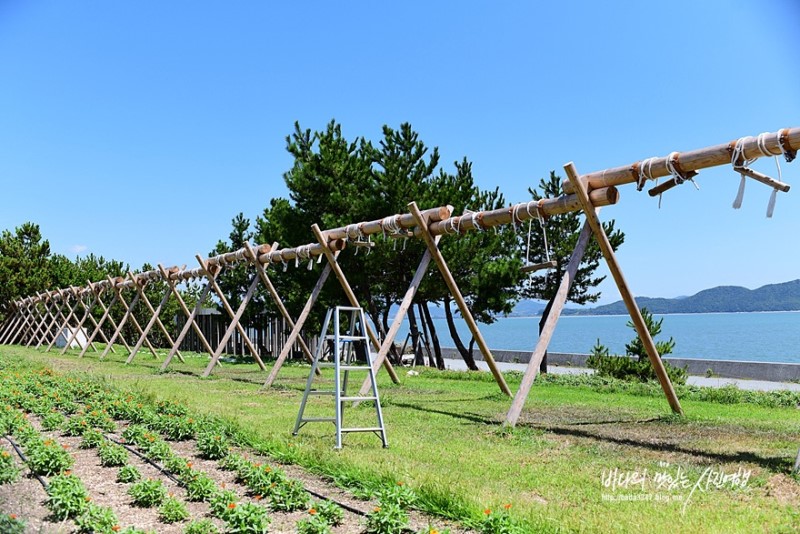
(773, 297)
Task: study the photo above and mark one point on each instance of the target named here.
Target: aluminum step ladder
(345, 329)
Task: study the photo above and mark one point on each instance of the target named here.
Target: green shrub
(212, 445)
(178, 466)
(248, 518)
(500, 523)
(199, 487)
(221, 503)
(53, 421)
(134, 434)
(201, 526)
(172, 510)
(48, 458)
(67, 497)
(148, 493)
(97, 520)
(233, 462)
(10, 524)
(331, 512)
(387, 518)
(289, 495)
(75, 426)
(128, 473)
(313, 525)
(9, 472)
(399, 494)
(177, 428)
(112, 455)
(92, 438)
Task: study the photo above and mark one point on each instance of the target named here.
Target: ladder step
(314, 392)
(318, 419)
(327, 365)
(368, 429)
(346, 337)
(348, 399)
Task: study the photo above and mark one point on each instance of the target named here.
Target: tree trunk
(416, 346)
(425, 336)
(542, 321)
(437, 347)
(462, 350)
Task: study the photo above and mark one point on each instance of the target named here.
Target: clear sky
(137, 130)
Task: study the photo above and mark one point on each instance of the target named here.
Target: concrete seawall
(773, 372)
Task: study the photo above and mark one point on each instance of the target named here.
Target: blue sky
(137, 130)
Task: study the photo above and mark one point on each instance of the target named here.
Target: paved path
(759, 385)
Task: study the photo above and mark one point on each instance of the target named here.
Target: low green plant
(433, 530)
(177, 428)
(178, 466)
(388, 518)
(399, 494)
(101, 420)
(48, 458)
(97, 520)
(75, 426)
(313, 524)
(158, 450)
(221, 503)
(148, 493)
(112, 455)
(10, 524)
(134, 434)
(288, 495)
(128, 473)
(92, 438)
(201, 526)
(52, 421)
(9, 472)
(199, 487)
(67, 496)
(172, 510)
(499, 522)
(331, 512)
(247, 518)
(233, 462)
(261, 479)
(212, 445)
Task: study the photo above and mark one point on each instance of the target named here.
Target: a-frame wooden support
(66, 320)
(351, 296)
(227, 307)
(549, 326)
(190, 317)
(127, 315)
(38, 315)
(87, 312)
(422, 224)
(154, 319)
(630, 303)
(98, 330)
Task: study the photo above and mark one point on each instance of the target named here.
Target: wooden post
(234, 322)
(408, 298)
(549, 326)
(298, 325)
(39, 318)
(50, 319)
(627, 296)
(348, 291)
(422, 224)
(213, 281)
(94, 321)
(18, 325)
(262, 273)
(103, 318)
(65, 324)
(190, 321)
(138, 283)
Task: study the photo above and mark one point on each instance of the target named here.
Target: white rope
(544, 231)
(645, 172)
(679, 178)
(740, 161)
(391, 225)
(474, 218)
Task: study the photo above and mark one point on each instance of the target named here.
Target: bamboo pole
(622, 285)
(691, 161)
(351, 296)
(422, 224)
(549, 326)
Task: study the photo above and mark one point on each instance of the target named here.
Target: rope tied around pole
(644, 171)
(674, 169)
(741, 164)
(304, 253)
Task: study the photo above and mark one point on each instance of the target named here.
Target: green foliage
(10, 524)
(500, 523)
(112, 455)
(52, 421)
(148, 493)
(23, 263)
(288, 495)
(313, 524)
(233, 462)
(177, 427)
(201, 526)
(178, 466)
(212, 445)
(388, 518)
(128, 473)
(635, 365)
(247, 518)
(134, 434)
(399, 494)
(67, 497)
(92, 438)
(172, 510)
(9, 472)
(76, 426)
(199, 487)
(97, 520)
(221, 503)
(48, 458)
(331, 512)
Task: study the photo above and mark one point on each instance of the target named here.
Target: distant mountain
(773, 297)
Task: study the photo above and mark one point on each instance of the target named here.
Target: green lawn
(447, 443)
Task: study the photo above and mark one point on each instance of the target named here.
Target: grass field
(724, 467)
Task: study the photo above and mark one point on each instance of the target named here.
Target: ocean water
(766, 336)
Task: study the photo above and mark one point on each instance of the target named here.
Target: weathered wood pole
(422, 225)
(622, 285)
(190, 320)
